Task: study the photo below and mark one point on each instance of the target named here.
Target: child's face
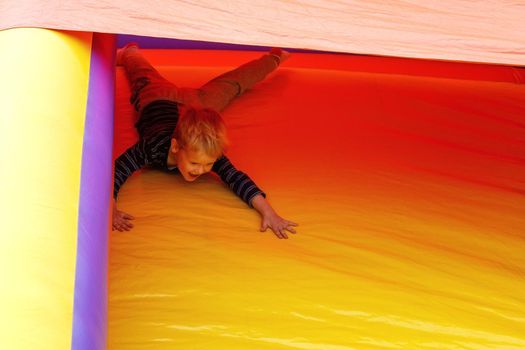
(193, 164)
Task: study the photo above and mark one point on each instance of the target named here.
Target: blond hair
(201, 130)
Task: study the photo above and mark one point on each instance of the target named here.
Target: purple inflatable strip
(90, 304)
(147, 42)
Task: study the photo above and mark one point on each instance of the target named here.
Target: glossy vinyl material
(408, 188)
(43, 99)
(89, 327)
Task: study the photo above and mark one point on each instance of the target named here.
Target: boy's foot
(120, 52)
(280, 54)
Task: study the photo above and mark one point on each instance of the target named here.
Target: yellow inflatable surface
(409, 192)
(43, 95)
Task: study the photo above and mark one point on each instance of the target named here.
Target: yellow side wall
(43, 93)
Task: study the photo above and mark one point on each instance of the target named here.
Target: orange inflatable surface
(407, 179)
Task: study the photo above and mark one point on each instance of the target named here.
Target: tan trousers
(147, 85)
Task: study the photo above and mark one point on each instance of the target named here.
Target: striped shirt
(155, 127)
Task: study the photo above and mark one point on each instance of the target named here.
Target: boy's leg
(220, 91)
(147, 85)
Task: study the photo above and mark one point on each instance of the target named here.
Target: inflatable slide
(403, 164)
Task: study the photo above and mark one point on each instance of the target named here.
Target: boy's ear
(174, 145)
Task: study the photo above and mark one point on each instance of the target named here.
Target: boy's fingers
(122, 225)
(127, 224)
(290, 225)
(128, 216)
(280, 233)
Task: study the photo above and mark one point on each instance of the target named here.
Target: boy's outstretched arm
(270, 219)
(127, 163)
(247, 190)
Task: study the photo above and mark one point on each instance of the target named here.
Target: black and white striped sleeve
(238, 181)
(128, 162)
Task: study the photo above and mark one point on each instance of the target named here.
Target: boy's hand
(277, 224)
(121, 220)
(270, 219)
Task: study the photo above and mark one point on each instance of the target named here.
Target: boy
(181, 131)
